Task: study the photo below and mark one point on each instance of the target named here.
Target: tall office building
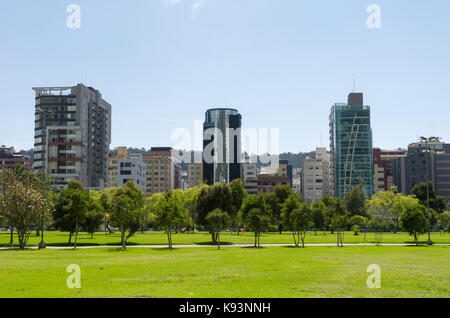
(315, 176)
(222, 149)
(351, 146)
(72, 135)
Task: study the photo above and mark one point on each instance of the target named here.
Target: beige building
(195, 174)
(250, 178)
(316, 176)
(163, 172)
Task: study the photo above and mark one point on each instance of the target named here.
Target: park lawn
(406, 271)
(100, 238)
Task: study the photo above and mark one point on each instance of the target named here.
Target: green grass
(61, 238)
(317, 271)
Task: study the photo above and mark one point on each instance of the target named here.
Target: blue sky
(282, 63)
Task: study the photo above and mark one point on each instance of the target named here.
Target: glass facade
(223, 119)
(351, 147)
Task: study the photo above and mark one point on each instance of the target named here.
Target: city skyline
(173, 68)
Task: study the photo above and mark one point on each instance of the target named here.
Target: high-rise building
(72, 135)
(222, 145)
(9, 159)
(315, 176)
(163, 170)
(351, 146)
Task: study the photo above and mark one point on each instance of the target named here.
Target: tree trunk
(303, 239)
(76, 234)
(280, 229)
(293, 235)
(169, 239)
(122, 236)
(218, 240)
(70, 237)
(11, 239)
(38, 233)
(256, 240)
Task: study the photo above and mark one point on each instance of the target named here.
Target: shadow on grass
(255, 247)
(211, 243)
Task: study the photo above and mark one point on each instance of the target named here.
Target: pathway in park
(215, 246)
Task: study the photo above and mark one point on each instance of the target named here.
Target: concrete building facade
(316, 176)
(72, 135)
(9, 159)
(163, 170)
(249, 176)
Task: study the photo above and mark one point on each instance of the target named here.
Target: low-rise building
(250, 178)
(9, 159)
(267, 183)
(127, 166)
(194, 174)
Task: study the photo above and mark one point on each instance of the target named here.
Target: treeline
(28, 202)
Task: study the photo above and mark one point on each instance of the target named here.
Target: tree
(32, 181)
(437, 203)
(218, 221)
(444, 222)
(276, 200)
(380, 209)
(238, 194)
(354, 201)
(356, 222)
(211, 198)
(300, 220)
(318, 215)
(71, 209)
(290, 204)
(169, 213)
(258, 221)
(95, 216)
(190, 202)
(21, 205)
(106, 202)
(126, 209)
(414, 222)
(339, 223)
(335, 207)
